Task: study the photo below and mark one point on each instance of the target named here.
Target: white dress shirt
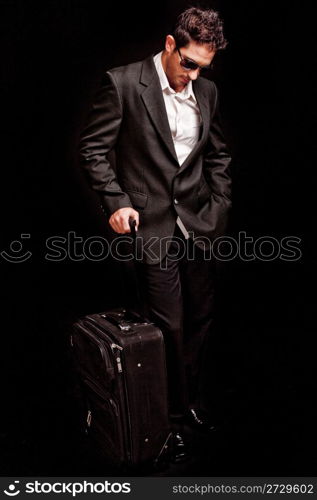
(183, 116)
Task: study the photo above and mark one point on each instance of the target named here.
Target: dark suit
(129, 117)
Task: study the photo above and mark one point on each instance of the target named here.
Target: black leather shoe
(179, 452)
(199, 420)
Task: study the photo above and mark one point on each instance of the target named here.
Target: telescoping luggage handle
(132, 224)
(125, 320)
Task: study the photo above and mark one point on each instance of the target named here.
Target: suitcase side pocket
(103, 423)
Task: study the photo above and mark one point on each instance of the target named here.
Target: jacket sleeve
(97, 139)
(217, 171)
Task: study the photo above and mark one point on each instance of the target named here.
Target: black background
(261, 377)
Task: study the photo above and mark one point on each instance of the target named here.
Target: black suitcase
(120, 360)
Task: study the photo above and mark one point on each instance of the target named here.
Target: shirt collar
(187, 93)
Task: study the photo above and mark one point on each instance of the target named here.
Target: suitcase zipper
(125, 407)
(118, 348)
(102, 395)
(88, 420)
(118, 408)
(102, 346)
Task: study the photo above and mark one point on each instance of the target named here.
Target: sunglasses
(190, 65)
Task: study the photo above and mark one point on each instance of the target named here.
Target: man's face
(177, 75)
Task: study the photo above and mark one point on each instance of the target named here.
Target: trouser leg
(179, 296)
(198, 285)
(164, 305)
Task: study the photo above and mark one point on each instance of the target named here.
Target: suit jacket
(129, 116)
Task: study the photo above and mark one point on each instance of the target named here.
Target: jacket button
(175, 201)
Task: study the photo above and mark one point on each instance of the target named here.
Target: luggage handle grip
(114, 320)
(132, 224)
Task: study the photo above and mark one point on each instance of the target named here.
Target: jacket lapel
(153, 99)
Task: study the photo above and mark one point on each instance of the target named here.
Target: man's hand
(119, 220)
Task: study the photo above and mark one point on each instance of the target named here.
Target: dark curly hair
(201, 25)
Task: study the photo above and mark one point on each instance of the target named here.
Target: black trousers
(178, 294)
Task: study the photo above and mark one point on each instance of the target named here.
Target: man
(161, 118)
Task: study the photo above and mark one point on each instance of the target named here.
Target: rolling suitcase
(120, 360)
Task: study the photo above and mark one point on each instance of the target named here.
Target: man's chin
(181, 85)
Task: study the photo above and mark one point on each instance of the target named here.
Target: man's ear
(170, 44)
